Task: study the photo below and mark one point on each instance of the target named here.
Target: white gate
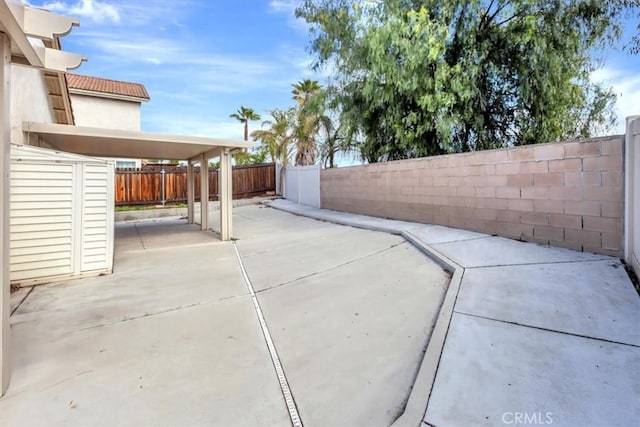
(302, 185)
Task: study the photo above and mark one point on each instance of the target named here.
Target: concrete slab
(439, 234)
(352, 338)
(179, 212)
(495, 370)
(160, 234)
(490, 369)
(345, 218)
(594, 299)
(144, 282)
(170, 338)
(203, 365)
(279, 248)
(497, 251)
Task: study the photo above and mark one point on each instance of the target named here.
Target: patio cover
(100, 142)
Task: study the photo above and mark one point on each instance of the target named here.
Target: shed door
(97, 205)
(41, 220)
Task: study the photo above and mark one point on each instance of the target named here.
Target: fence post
(162, 172)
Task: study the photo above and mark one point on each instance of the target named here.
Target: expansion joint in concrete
(538, 263)
(22, 300)
(544, 329)
(139, 236)
(297, 279)
(144, 316)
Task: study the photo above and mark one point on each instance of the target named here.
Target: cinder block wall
(564, 194)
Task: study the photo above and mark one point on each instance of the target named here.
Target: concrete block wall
(566, 194)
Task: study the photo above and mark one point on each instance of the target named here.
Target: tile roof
(107, 86)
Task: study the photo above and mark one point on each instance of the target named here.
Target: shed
(61, 215)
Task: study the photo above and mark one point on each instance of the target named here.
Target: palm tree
(305, 130)
(245, 115)
(277, 137)
(311, 98)
(304, 89)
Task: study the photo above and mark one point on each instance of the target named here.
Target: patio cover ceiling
(99, 142)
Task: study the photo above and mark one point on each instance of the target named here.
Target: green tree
(631, 8)
(244, 115)
(425, 77)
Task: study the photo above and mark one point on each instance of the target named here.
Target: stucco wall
(29, 100)
(105, 113)
(563, 194)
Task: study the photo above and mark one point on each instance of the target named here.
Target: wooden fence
(145, 186)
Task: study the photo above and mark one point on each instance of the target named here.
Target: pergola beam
(11, 15)
(21, 22)
(45, 25)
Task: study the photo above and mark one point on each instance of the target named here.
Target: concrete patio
(172, 337)
(369, 329)
(528, 334)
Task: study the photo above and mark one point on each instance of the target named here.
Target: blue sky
(201, 60)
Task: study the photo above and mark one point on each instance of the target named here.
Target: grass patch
(148, 207)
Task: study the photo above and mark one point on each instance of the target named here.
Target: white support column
(204, 192)
(190, 192)
(5, 184)
(226, 195)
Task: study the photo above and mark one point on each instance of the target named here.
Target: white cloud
(288, 8)
(93, 9)
(627, 86)
(186, 125)
(182, 63)
(151, 60)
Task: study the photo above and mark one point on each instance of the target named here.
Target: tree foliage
(426, 77)
(275, 135)
(302, 132)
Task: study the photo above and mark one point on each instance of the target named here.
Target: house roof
(106, 87)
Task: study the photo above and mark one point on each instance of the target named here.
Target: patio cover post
(226, 195)
(19, 23)
(204, 192)
(190, 192)
(5, 164)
